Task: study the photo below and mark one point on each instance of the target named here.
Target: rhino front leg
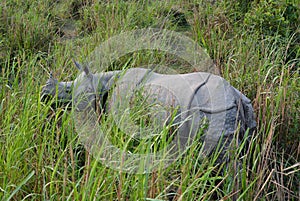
(52, 88)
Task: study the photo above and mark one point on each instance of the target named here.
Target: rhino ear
(81, 68)
(86, 70)
(77, 65)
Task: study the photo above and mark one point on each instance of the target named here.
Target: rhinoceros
(196, 96)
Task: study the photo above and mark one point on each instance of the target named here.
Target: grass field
(254, 44)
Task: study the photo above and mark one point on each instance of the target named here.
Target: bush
(269, 17)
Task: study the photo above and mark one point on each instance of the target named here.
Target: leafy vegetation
(254, 44)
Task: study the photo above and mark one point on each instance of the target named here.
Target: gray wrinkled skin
(197, 95)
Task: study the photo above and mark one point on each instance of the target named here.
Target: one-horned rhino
(196, 96)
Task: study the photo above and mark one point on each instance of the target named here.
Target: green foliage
(269, 17)
(27, 28)
(254, 44)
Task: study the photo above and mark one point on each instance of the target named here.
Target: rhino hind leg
(240, 125)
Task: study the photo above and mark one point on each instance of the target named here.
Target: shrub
(269, 17)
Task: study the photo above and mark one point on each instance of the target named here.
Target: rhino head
(83, 89)
(52, 88)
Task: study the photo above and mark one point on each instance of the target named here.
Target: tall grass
(40, 155)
